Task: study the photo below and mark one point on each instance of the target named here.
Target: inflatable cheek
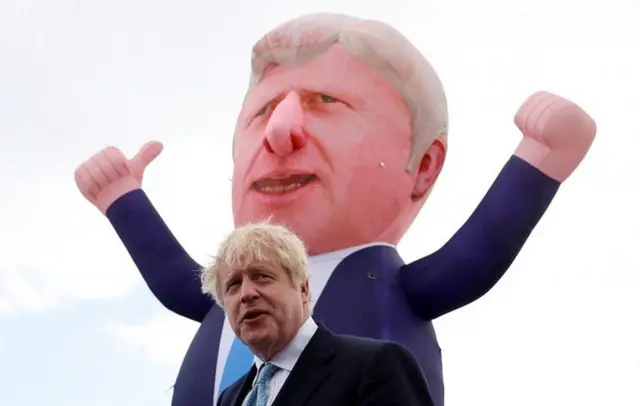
(378, 192)
(375, 188)
(378, 198)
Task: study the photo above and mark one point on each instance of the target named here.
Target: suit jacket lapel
(310, 371)
(245, 387)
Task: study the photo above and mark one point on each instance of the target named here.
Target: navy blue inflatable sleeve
(482, 250)
(167, 268)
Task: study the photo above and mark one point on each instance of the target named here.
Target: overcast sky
(79, 327)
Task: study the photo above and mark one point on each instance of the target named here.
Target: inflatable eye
(262, 111)
(328, 99)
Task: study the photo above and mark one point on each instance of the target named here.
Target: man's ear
(305, 291)
(429, 168)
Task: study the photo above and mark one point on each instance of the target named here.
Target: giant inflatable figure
(341, 136)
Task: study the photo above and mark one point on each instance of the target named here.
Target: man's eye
(328, 99)
(231, 285)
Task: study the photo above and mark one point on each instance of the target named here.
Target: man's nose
(248, 291)
(284, 133)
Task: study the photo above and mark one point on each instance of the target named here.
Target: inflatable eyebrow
(342, 135)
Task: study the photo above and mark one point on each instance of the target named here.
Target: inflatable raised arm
(556, 136)
(113, 184)
(341, 136)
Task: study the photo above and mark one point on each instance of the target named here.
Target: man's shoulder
(365, 345)
(373, 356)
(228, 393)
(223, 398)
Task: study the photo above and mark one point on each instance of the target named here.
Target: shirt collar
(287, 358)
(343, 253)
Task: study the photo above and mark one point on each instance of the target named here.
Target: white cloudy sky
(77, 325)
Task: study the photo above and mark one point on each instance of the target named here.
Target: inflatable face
(323, 147)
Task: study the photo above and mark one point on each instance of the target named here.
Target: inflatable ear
(429, 168)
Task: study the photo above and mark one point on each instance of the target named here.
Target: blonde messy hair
(254, 244)
(381, 47)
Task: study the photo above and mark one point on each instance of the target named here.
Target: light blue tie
(259, 395)
(238, 363)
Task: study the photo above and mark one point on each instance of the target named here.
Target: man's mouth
(252, 315)
(281, 185)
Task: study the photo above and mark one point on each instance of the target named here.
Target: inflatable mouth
(284, 184)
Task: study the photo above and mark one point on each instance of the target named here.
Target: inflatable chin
(341, 137)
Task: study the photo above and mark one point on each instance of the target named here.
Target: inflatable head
(342, 132)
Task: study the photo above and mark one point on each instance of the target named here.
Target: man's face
(323, 149)
(263, 306)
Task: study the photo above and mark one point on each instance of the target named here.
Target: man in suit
(341, 136)
(260, 277)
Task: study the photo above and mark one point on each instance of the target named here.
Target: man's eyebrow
(232, 274)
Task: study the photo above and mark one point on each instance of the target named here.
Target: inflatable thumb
(145, 156)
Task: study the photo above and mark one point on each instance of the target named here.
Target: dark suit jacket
(338, 370)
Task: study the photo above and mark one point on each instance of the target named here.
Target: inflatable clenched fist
(557, 134)
(108, 174)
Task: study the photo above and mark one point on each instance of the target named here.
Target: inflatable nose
(284, 133)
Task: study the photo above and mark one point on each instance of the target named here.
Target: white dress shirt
(321, 268)
(287, 358)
